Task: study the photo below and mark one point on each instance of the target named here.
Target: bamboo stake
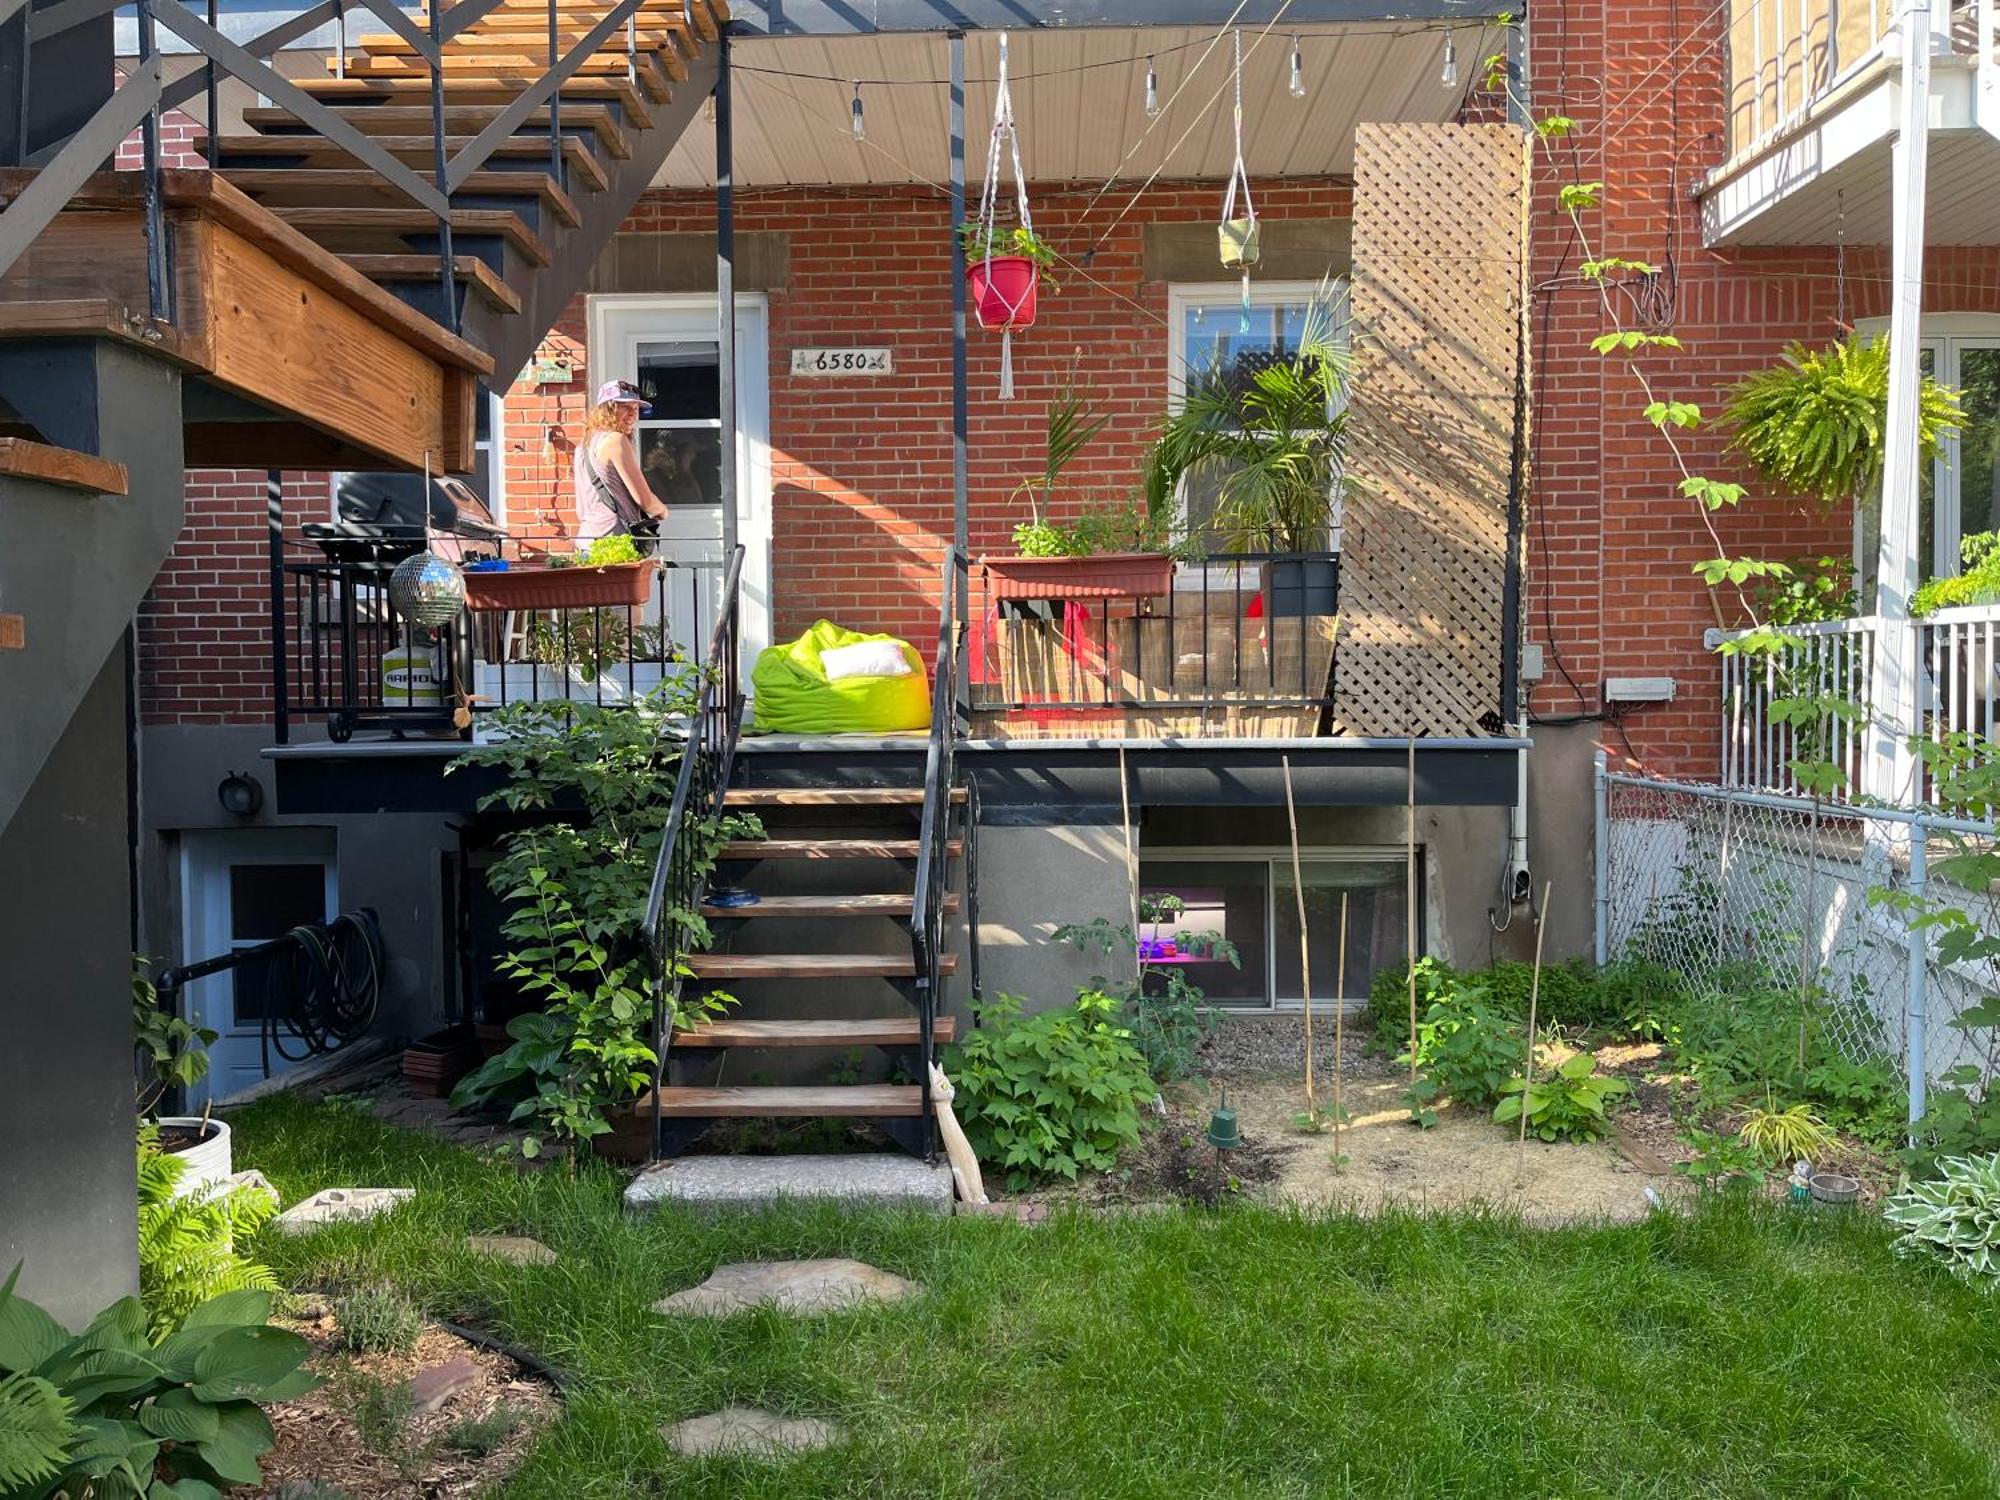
(1131, 865)
(1339, 1018)
(1305, 947)
(1528, 1072)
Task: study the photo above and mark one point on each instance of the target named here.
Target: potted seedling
(608, 573)
(1275, 434)
(1115, 549)
(172, 1053)
(1004, 268)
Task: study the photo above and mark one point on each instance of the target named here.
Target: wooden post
(1305, 946)
(1528, 1072)
(1339, 1028)
(1131, 867)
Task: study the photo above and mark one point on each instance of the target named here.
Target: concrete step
(752, 1184)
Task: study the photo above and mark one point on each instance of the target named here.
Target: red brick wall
(1611, 541)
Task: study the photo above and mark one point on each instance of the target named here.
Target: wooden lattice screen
(1440, 229)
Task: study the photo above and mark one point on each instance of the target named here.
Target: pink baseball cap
(625, 393)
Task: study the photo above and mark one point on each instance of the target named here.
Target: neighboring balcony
(1814, 107)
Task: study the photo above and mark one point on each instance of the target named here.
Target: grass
(1737, 1351)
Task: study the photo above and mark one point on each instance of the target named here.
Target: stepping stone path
(340, 1206)
(748, 1431)
(790, 1286)
(751, 1184)
(518, 1249)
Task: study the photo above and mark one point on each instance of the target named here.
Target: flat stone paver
(516, 1248)
(748, 1431)
(754, 1183)
(790, 1286)
(340, 1206)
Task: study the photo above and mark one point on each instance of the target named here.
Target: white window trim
(1271, 857)
(1946, 335)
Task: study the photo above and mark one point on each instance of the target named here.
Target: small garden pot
(1003, 290)
(205, 1149)
(1107, 575)
(1239, 242)
(1299, 586)
(1832, 1187)
(613, 584)
(432, 1064)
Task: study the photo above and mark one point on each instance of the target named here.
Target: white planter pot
(523, 682)
(207, 1161)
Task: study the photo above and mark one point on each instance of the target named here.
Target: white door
(666, 344)
(240, 888)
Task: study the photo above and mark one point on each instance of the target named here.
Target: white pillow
(865, 659)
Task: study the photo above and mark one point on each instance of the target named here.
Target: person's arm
(625, 459)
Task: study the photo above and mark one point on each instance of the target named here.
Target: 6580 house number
(841, 362)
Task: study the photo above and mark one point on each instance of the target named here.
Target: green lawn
(1243, 1353)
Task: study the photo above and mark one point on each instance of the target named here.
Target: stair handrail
(682, 868)
(927, 901)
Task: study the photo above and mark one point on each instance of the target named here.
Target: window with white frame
(1208, 340)
(1248, 897)
(1961, 493)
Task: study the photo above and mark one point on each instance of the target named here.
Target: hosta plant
(112, 1415)
(1955, 1217)
(1568, 1104)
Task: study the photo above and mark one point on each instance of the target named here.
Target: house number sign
(841, 362)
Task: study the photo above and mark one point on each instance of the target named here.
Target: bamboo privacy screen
(1440, 231)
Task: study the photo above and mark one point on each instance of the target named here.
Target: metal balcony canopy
(1080, 95)
(839, 18)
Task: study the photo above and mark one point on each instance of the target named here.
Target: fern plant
(1813, 424)
(187, 1241)
(36, 1430)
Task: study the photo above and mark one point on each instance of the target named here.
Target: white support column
(1893, 689)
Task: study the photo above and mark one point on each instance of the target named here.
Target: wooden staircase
(857, 848)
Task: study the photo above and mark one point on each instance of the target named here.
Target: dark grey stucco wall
(67, 1192)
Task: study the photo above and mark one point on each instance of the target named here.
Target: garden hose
(323, 989)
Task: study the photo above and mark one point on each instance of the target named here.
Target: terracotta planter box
(614, 584)
(1108, 575)
(434, 1063)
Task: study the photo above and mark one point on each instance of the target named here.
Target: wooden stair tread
(415, 151)
(882, 1031)
(24, 459)
(829, 848)
(486, 285)
(461, 121)
(665, 34)
(824, 906)
(362, 187)
(513, 66)
(460, 88)
(830, 796)
(318, 222)
(811, 965)
(867, 1100)
(655, 55)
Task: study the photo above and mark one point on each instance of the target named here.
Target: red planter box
(629, 583)
(1108, 575)
(1006, 297)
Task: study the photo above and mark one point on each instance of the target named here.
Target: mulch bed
(320, 1440)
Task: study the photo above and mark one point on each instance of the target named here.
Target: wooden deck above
(302, 360)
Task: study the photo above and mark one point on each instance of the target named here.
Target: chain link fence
(1728, 887)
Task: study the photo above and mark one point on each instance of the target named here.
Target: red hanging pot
(1003, 290)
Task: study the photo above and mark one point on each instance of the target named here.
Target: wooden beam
(13, 632)
(64, 466)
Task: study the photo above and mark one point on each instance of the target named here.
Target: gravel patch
(1273, 1046)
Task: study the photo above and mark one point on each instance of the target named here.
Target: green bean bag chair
(794, 695)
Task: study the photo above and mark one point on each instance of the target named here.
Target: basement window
(1248, 897)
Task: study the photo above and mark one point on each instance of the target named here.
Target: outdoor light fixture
(856, 123)
(708, 109)
(240, 794)
(1449, 77)
(1152, 90)
(1298, 85)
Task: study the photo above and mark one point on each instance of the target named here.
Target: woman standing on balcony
(612, 496)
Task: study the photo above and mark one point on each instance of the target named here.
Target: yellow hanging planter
(1239, 242)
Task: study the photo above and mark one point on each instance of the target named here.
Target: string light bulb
(708, 109)
(855, 120)
(1449, 77)
(1152, 90)
(1298, 84)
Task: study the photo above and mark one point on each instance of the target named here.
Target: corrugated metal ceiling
(1079, 100)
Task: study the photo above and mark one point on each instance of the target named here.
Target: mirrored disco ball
(427, 591)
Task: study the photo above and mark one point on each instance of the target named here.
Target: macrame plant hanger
(1238, 237)
(989, 207)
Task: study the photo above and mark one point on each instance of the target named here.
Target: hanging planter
(1236, 235)
(1239, 241)
(1003, 290)
(1003, 265)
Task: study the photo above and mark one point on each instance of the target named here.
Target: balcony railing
(1958, 653)
(340, 654)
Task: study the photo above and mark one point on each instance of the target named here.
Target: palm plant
(1278, 438)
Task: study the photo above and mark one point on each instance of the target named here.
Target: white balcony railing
(1958, 651)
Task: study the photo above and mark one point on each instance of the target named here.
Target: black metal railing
(1231, 643)
(674, 924)
(949, 719)
(341, 654)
